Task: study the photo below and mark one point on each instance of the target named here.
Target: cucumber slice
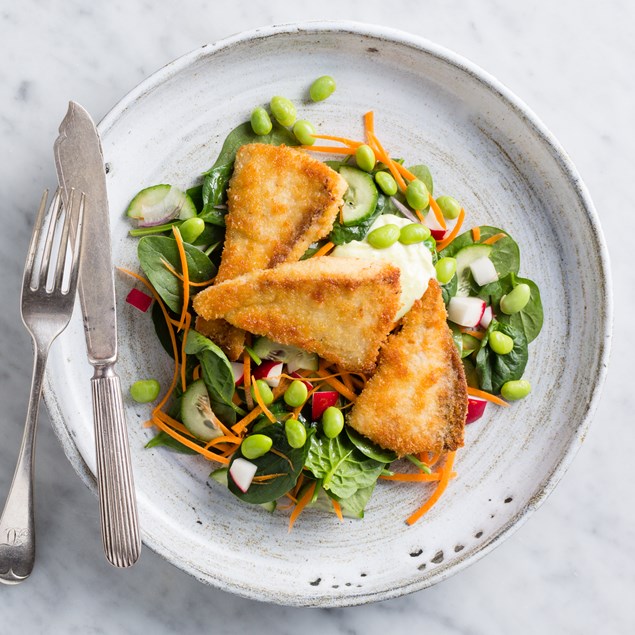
(160, 204)
(221, 475)
(196, 412)
(360, 199)
(464, 258)
(293, 357)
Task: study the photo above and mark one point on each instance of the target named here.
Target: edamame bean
(322, 88)
(445, 268)
(500, 343)
(295, 395)
(384, 236)
(417, 195)
(263, 390)
(365, 158)
(450, 207)
(304, 131)
(260, 121)
(516, 300)
(296, 433)
(283, 110)
(256, 445)
(191, 229)
(413, 233)
(514, 390)
(145, 390)
(386, 182)
(332, 422)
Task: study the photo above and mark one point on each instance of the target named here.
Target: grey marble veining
(571, 568)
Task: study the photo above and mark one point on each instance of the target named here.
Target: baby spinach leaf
(217, 375)
(217, 177)
(342, 468)
(163, 439)
(368, 448)
(152, 250)
(422, 172)
(288, 466)
(196, 194)
(449, 289)
(341, 234)
(493, 369)
(352, 507)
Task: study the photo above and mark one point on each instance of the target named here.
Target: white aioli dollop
(414, 261)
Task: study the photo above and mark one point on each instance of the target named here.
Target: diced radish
(475, 409)
(139, 300)
(242, 472)
(270, 372)
(488, 316)
(238, 368)
(438, 233)
(483, 271)
(306, 382)
(321, 401)
(466, 311)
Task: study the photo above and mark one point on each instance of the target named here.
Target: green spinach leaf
(422, 172)
(370, 449)
(342, 468)
(494, 370)
(162, 439)
(217, 375)
(152, 250)
(352, 507)
(288, 467)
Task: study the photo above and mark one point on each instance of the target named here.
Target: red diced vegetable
(139, 300)
(321, 401)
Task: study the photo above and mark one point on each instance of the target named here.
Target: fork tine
(78, 246)
(56, 208)
(35, 239)
(64, 241)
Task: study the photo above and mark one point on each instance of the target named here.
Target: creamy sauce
(414, 261)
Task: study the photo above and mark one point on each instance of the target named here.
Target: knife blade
(80, 165)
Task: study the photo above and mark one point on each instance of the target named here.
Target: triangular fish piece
(340, 308)
(417, 399)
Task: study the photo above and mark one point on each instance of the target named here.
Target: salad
(274, 418)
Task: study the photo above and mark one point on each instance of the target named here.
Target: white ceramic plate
(484, 147)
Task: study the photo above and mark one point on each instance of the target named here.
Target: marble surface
(571, 568)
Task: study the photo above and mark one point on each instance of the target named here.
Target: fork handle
(117, 503)
(17, 526)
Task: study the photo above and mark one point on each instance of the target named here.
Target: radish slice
(483, 271)
(306, 382)
(321, 401)
(238, 369)
(270, 372)
(139, 300)
(475, 409)
(438, 233)
(242, 472)
(466, 311)
(488, 316)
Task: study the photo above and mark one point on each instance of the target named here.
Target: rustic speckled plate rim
(571, 175)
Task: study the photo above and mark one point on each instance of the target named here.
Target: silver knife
(80, 165)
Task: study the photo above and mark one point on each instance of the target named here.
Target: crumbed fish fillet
(417, 399)
(280, 201)
(340, 308)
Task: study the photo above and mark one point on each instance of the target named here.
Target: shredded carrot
(190, 444)
(476, 234)
(433, 459)
(446, 473)
(261, 403)
(177, 425)
(420, 216)
(438, 214)
(186, 330)
(384, 157)
(338, 385)
(196, 373)
(369, 123)
(453, 234)
(329, 149)
(175, 348)
(346, 379)
(294, 492)
(494, 239)
(246, 420)
(475, 392)
(347, 142)
(479, 335)
(338, 509)
(323, 250)
(405, 172)
(223, 439)
(176, 274)
(301, 504)
(419, 477)
(186, 274)
(266, 477)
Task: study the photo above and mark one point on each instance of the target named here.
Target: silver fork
(47, 306)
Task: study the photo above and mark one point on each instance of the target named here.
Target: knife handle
(117, 502)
